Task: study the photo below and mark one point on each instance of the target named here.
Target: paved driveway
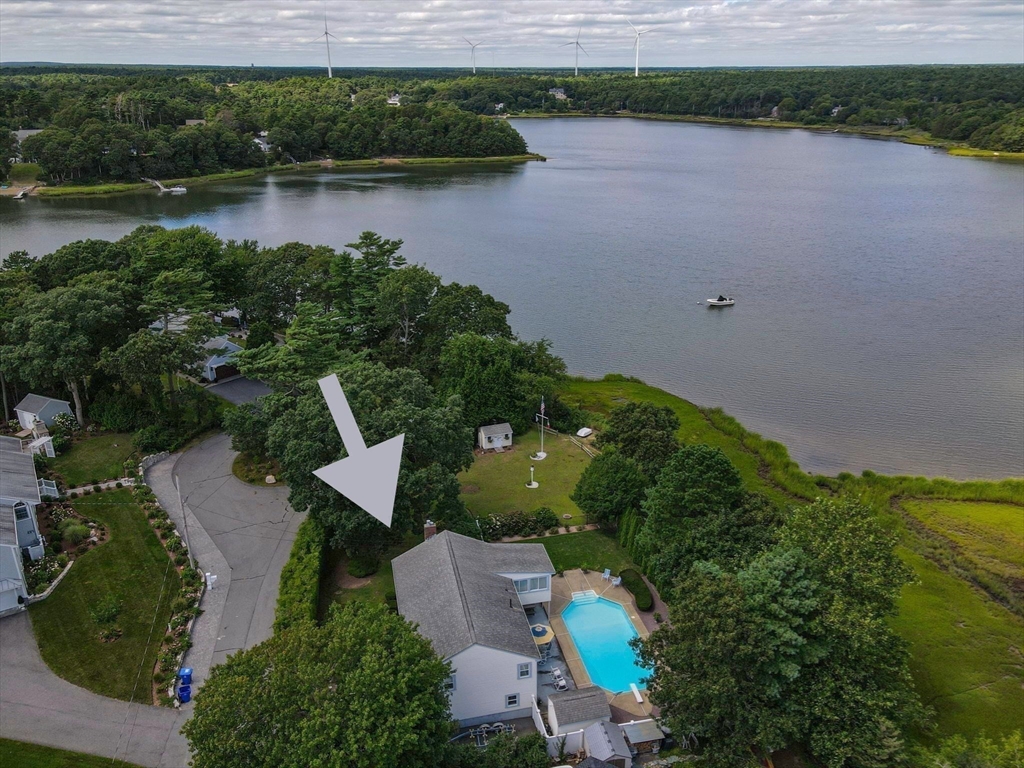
(253, 527)
(37, 706)
(239, 390)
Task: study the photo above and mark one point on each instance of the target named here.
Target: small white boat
(721, 301)
(177, 190)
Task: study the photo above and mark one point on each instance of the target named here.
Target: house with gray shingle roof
(467, 597)
(41, 408)
(606, 742)
(570, 711)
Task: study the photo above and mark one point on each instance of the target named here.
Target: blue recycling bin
(185, 676)
(184, 693)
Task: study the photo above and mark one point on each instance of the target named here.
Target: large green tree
(610, 486)
(643, 432)
(364, 690)
(302, 436)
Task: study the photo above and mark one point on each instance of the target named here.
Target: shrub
(65, 424)
(60, 443)
(96, 488)
(299, 592)
(76, 533)
(632, 581)
(106, 610)
(119, 484)
(544, 518)
(119, 412)
(153, 439)
(361, 567)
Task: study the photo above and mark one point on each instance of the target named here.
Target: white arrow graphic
(368, 477)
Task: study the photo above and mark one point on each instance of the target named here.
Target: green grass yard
(496, 482)
(20, 754)
(94, 458)
(593, 550)
(965, 651)
(337, 586)
(132, 567)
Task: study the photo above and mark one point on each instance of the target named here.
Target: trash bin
(185, 676)
(184, 693)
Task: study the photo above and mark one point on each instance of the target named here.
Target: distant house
(20, 494)
(194, 122)
(499, 107)
(775, 111)
(35, 408)
(495, 436)
(570, 711)
(219, 363)
(837, 110)
(558, 93)
(20, 136)
(605, 742)
(263, 144)
(394, 100)
(467, 598)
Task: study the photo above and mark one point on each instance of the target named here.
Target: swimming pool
(602, 631)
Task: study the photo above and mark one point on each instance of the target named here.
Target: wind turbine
(327, 39)
(576, 44)
(472, 50)
(636, 46)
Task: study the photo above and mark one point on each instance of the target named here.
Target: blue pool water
(602, 631)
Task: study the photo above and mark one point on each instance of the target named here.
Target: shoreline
(93, 190)
(913, 137)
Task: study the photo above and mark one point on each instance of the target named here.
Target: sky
(519, 33)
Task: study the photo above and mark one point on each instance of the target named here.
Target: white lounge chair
(607, 574)
(616, 581)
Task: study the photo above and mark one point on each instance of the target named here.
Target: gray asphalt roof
(580, 705)
(646, 730)
(8, 526)
(36, 403)
(497, 429)
(593, 762)
(18, 476)
(10, 444)
(605, 742)
(450, 586)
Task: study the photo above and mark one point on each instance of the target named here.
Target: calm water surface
(880, 287)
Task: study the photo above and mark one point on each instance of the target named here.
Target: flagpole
(541, 455)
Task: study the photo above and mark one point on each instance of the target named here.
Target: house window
(524, 670)
(511, 700)
(449, 683)
(21, 511)
(532, 584)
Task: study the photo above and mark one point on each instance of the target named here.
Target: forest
(122, 123)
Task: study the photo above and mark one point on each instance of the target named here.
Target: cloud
(421, 33)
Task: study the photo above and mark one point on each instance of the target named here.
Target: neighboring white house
(219, 363)
(558, 93)
(20, 493)
(606, 742)
(262, 142)
(38, 407)
(570, 711)
(467, 598)
(394, 100)
(494, 436)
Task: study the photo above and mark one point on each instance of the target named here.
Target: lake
(879, 318)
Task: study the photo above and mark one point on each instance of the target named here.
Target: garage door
(8, 599)
(225, 371)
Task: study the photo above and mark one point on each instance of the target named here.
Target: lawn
(593, 550)
(965, 653)
(601, 397)
(94, 458)
(374, 588)
(133, 569)
(497, 481)
(20, 754)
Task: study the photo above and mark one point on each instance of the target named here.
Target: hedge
(299, 593)
(632, 581)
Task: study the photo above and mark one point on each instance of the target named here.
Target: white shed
(570, 711)
(494, 436)
(44, 409)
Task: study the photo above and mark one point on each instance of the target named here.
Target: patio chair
(560, 684)
(607, 574)
(617, 581)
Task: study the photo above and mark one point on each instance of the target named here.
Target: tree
(610, 486)
(403, 298)
(58, 337)
(259, 335)
(302, 437)
(725, 665)
(643, 432)
(458, 309)
(362, 690)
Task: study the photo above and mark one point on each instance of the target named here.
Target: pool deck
(562, 588)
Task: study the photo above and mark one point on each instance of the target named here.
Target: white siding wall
(26, 419)
(483, 677)
(10, 570)
(531, 598)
